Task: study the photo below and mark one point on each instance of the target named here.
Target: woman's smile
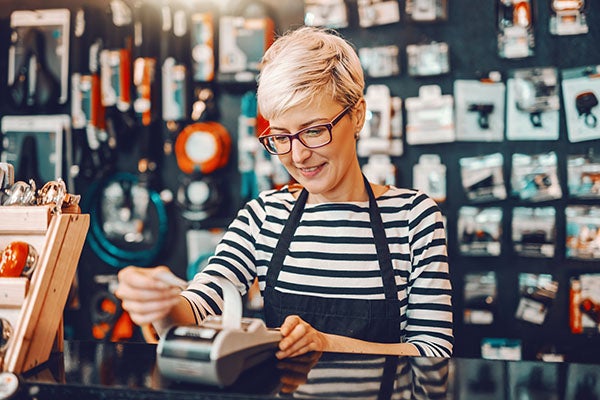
(311, 171)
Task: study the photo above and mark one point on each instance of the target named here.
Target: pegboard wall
(471, 34)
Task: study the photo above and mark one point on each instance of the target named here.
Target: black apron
(370, 320)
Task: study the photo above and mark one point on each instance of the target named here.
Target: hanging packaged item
(583, 232)
(430, 117)
(583, 176)
(538, 292)
(174, 90)
(501, 349)
(479, 109)
(581, 91)
(203, 46)
(533, 104)
(115, 58)
(480, 298)
(380, 134)
(145, 64)
(380, 61)
(534, 231)
(248, 147)
(535, 177)
(568, 17)
(176, 30)
(377, 12)
(515, 26)
(38, 59)
(429, 175)
(480, 231)
(326, 13)
(584, 304)
(242, 43)
(38, 147)
(427, 10)
(482, 177)
(428, 59)
(94, 149)
(380, 169)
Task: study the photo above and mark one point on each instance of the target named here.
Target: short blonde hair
(307, 63)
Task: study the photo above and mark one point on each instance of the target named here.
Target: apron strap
(383, 250)
(283, 244)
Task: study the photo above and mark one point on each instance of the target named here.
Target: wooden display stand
(34, 307)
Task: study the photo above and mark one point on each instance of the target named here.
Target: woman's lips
(310, 171)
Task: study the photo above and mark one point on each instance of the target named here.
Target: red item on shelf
(18, 258)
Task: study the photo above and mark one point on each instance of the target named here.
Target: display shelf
(34, 306)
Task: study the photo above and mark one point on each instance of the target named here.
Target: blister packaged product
(581, 91)
(483, 177)
(480, 298)
(583, 176)
(583, 232)
(535, 177)
(430, 117)
(538, 292)
(534, 231)
(479, 110)
(480, 231)
(532, 104)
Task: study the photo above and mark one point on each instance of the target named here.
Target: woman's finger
(142, 278)
(297, 351)
(125, 292)
(292, 336)
(141, 307)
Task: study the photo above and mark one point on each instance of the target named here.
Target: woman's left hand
(299, 337)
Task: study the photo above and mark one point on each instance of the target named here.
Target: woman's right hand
(145, 297)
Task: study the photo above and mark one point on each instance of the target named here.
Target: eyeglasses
(312, 137)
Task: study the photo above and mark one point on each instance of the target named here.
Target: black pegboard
(470, 32)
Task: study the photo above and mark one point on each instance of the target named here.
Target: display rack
(34, 306)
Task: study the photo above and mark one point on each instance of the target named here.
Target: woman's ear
(358, 115)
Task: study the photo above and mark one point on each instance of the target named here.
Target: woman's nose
(299, 151)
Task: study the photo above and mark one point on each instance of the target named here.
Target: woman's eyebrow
(315, 121)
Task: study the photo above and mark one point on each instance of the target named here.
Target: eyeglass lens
(311, 137)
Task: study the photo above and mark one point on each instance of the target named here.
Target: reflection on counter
(102, 370)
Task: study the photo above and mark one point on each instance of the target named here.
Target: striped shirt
(348, 376)
(333, 255)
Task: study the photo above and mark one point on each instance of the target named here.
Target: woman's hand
(145, 297)
(299, 337)
(294, 371)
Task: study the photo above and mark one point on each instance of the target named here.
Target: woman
(342, 264)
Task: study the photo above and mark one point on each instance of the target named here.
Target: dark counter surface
(99, 370)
